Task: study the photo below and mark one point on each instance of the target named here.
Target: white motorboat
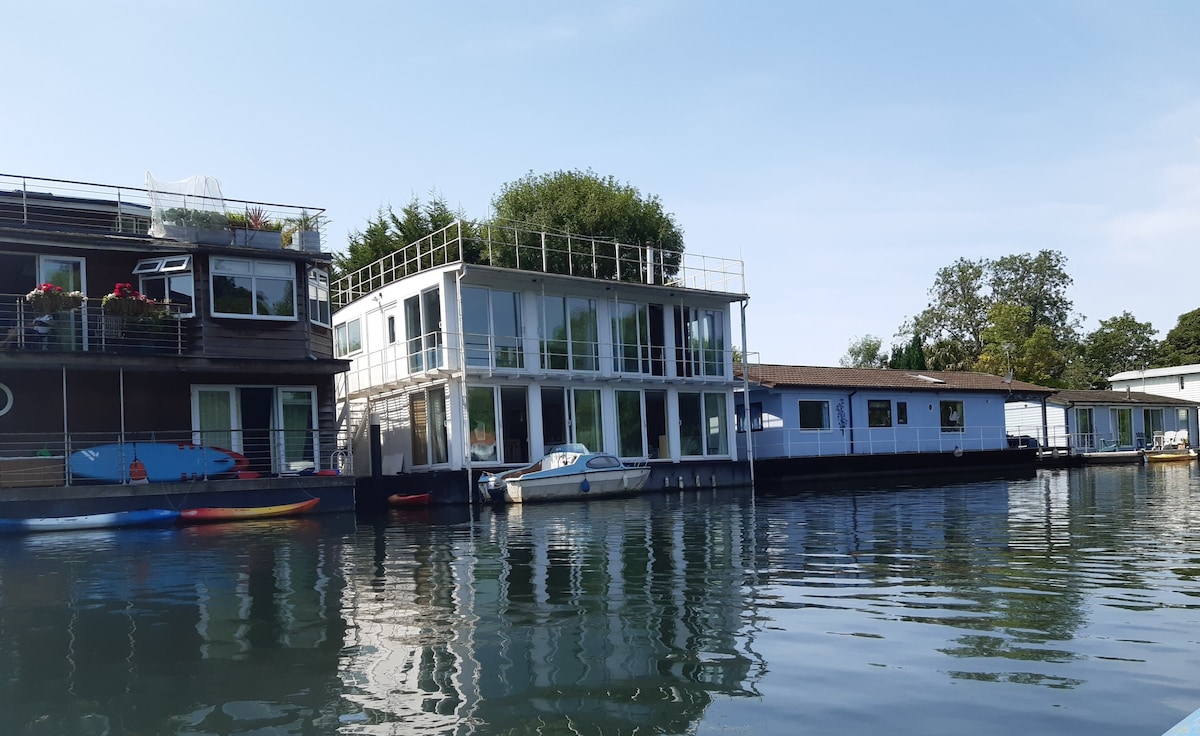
(566, 472)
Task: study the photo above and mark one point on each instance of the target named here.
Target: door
(69, 274)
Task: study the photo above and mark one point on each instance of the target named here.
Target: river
(1062, 603)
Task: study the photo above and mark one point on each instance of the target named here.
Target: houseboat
(1102, 426)
(482, 347)
(803, 422)
(162, 348)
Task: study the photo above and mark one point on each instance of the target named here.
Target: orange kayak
(247, 512)
(415, 499)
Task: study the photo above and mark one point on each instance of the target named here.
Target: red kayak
(247, 512)
(415, 499)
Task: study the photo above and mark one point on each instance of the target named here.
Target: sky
(844, 151)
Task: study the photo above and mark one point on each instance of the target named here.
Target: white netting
(192, 202)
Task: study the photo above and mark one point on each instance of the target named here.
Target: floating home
(809, 421)
(480, 348)
(163, 347)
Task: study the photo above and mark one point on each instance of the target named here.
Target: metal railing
(81, 206)
(386, 368)
(542, 252)
(834, 442)
(88, 329)
(31, 459)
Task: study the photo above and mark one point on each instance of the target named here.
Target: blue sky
(845, 150)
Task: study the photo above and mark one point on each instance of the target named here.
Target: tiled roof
(1109, 398)
(772, 376)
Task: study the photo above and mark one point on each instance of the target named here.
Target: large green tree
(1181, 346)
(954, 321)
(864, 352)
(389, 232)
(1119, 344)
(600, 207)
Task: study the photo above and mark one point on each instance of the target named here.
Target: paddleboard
(249, 512)
(153, 462)
(142, 517)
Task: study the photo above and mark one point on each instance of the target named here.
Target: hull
(144, 517)
(591, 484)
(249, 512)
(153, 462)
(1111, 458)
(1171, 456)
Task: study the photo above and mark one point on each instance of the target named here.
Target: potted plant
(303, 232)
(52, 299)
(254, 227)
(196, 226)
(126, 301)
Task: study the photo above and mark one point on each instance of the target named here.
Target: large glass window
(716, 436)
(168, 279)
(318, 297)
(481, 414)
(423, 328)
(253, 289)
(702, 424)
(631, 338)
(699, 342)
(274, 427)
(630, 438)
(879, 413)
(569, 336)
(492, 327)
(588, 429)
(1085, 427)
(1122, 420)
(428, 413)
(814, 415)
(347, 338)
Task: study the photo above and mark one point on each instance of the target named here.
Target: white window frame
(168, 268)
(341, 337)
(253, 264)
(318, 293)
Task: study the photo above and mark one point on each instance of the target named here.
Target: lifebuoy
(6, 399)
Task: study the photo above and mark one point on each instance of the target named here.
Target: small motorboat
(247, 512)
(408, 499)
(1171, 456)
(141, 517)
(566, 472)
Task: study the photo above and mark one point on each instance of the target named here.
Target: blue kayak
(142, 517)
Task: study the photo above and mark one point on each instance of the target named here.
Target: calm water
(1062, 604)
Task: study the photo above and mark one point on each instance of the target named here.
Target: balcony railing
(60, 204)
(543, 252)
(88, 329)
(45, 459)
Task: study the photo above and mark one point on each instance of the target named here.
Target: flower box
(51, 299)
(269, 239)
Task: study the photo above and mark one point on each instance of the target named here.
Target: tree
(864, 353)
(1181, 346)
(388, 233)
(585, 203)
(1119, 344)
(956, 316)
(909, 357)
(1031, 357)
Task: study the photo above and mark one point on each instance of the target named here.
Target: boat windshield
(573, 447)
(604, 461)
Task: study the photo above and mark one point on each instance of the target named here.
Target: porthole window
(6, 399)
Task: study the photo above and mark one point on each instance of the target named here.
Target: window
(952, 416)
(1181, 383)
(275, 427)
(428, 415)
(702, 426)
(638, 338)
(756, 423)
(481, 412)
(814, 415)
(901, 412)
(1122, 421)
(423, 330)
(253, 289)
(168, 279)
(492, 328)
(1085, 428)
(347, 338)
(699, 342)
(569, 338)
(629, 424)
(318, 297)
(391, 329)
(879, 413)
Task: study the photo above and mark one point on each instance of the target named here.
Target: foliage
(1181, 346)
(204, 219)
(1031, 357)
(864, 352)
(51, 299)
(253, 218)
(600, 207)
(956, 316)
(909, 357)
(300, 223)
(126, 301)
(389, 232)
(1119, 344)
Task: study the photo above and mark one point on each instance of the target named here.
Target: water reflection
(621, 617)
(1065, 603)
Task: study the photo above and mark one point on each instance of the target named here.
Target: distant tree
(864, 352)
(910, 356)
(956, 316)
(600, 207)
(1181, 346)
(1119, 344)
(388, 232)
(1033, 358)
(1039, 282)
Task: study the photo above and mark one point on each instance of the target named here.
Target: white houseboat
(479, 348)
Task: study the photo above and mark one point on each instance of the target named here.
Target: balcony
(72, 206)
(543, 252)
(87, 329)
